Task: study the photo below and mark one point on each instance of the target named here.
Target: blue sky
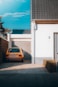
(15, 14)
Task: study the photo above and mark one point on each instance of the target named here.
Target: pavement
(22, 68)
(26, 75)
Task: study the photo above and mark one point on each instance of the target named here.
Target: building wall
(25, 45)
(44, 41)
(24, 42)
(3, 49)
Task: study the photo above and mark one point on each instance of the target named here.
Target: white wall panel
(44, 40)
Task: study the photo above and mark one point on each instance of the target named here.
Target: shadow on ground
(9, 64)
(29, 80)
(23, 70)
(12, 64)
(28, 77)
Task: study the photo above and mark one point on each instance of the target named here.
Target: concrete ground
(26, 75)
(22, 68)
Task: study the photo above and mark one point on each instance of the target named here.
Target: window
(14, 50)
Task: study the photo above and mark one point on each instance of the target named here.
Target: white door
(56, 46)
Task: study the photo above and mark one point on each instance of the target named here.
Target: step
(50, 65)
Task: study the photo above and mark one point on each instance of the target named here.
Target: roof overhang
(46, 21)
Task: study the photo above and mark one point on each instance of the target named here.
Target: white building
(44, 31)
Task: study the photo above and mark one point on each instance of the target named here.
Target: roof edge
(51, 21)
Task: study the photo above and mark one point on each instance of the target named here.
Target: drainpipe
(33, 45)
(35, 28)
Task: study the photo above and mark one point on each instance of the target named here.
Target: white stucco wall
(21, 36)
(44, 40)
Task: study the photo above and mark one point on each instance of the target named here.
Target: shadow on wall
(3, 48)
(27, 56)
(13, 45)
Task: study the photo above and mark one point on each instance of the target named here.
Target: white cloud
(16, 1)
(3, 1)
(21, 0)
(16, 14)
(20, 14)
(6, 14)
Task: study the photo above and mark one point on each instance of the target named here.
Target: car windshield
(14, 50)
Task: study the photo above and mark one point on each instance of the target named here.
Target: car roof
(14, 48)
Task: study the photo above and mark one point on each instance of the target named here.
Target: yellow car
(14, 54)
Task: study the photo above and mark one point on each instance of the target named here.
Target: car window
(14, 50)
